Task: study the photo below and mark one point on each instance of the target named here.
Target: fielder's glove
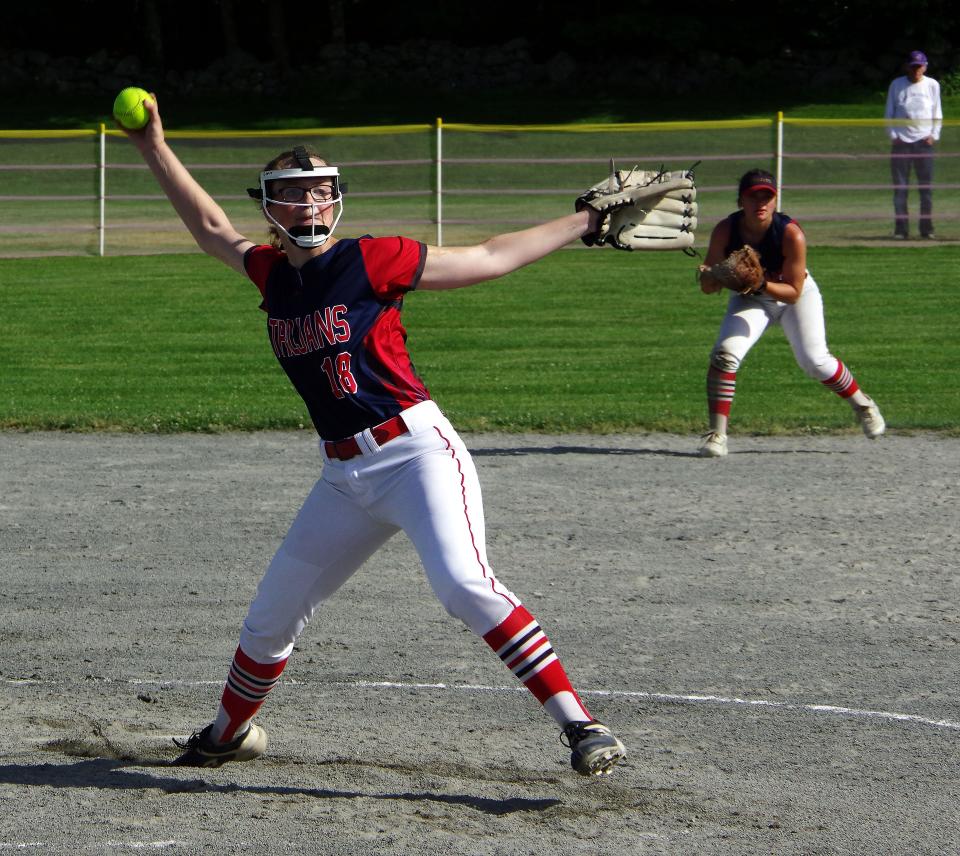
(643, 210)
(741, 271)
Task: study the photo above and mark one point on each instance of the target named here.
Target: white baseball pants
(803, 324)
(424, 483)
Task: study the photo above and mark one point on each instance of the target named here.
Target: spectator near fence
(916, 97)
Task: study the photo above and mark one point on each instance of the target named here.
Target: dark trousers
(919, 156)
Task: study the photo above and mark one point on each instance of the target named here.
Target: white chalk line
(673, 698)
(679, 698)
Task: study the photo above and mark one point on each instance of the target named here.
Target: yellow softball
(128, 108)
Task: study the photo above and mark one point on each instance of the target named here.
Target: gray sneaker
(594, 749)
(201, 751)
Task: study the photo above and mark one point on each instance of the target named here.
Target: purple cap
(917, 58)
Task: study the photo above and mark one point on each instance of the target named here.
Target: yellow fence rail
(86, 191)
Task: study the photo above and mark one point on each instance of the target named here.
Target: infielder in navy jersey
(789, 297)
(391, 460)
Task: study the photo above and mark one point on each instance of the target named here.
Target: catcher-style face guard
(316, 234)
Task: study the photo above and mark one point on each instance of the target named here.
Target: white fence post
(103, 185)
(439, 182)
(779, 158)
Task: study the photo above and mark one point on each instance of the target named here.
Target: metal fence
(87, 192)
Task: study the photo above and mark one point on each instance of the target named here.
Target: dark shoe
(203, 752)
(594, 749)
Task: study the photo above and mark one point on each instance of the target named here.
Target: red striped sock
(842, 383)
(721, 387)
(526, 651)
(247, 687)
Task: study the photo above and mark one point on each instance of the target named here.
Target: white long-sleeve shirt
(919, 101)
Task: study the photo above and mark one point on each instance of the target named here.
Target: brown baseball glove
(741, 271)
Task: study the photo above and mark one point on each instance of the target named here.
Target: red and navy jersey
(770, 248)
(335, 327)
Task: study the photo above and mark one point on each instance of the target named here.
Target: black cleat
(201, 751)
(594, 748)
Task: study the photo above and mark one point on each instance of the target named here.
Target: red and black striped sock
(247, 687)
(526, 651)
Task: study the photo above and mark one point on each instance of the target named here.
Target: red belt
(344, 450)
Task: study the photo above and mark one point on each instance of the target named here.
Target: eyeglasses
(296, 193)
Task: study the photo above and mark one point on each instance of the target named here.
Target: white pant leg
(331, 537)
(805, 328)
(441, 511)
(742, 326)
(426, 484)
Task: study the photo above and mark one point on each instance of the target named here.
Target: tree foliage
(182, 34)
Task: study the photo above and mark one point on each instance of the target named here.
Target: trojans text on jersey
(293, 337)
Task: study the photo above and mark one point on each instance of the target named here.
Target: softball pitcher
(786, 295)
(391, 460)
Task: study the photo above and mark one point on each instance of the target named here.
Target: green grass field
(592, 341)
(581, 341)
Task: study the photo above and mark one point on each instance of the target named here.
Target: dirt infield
(774, 636)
